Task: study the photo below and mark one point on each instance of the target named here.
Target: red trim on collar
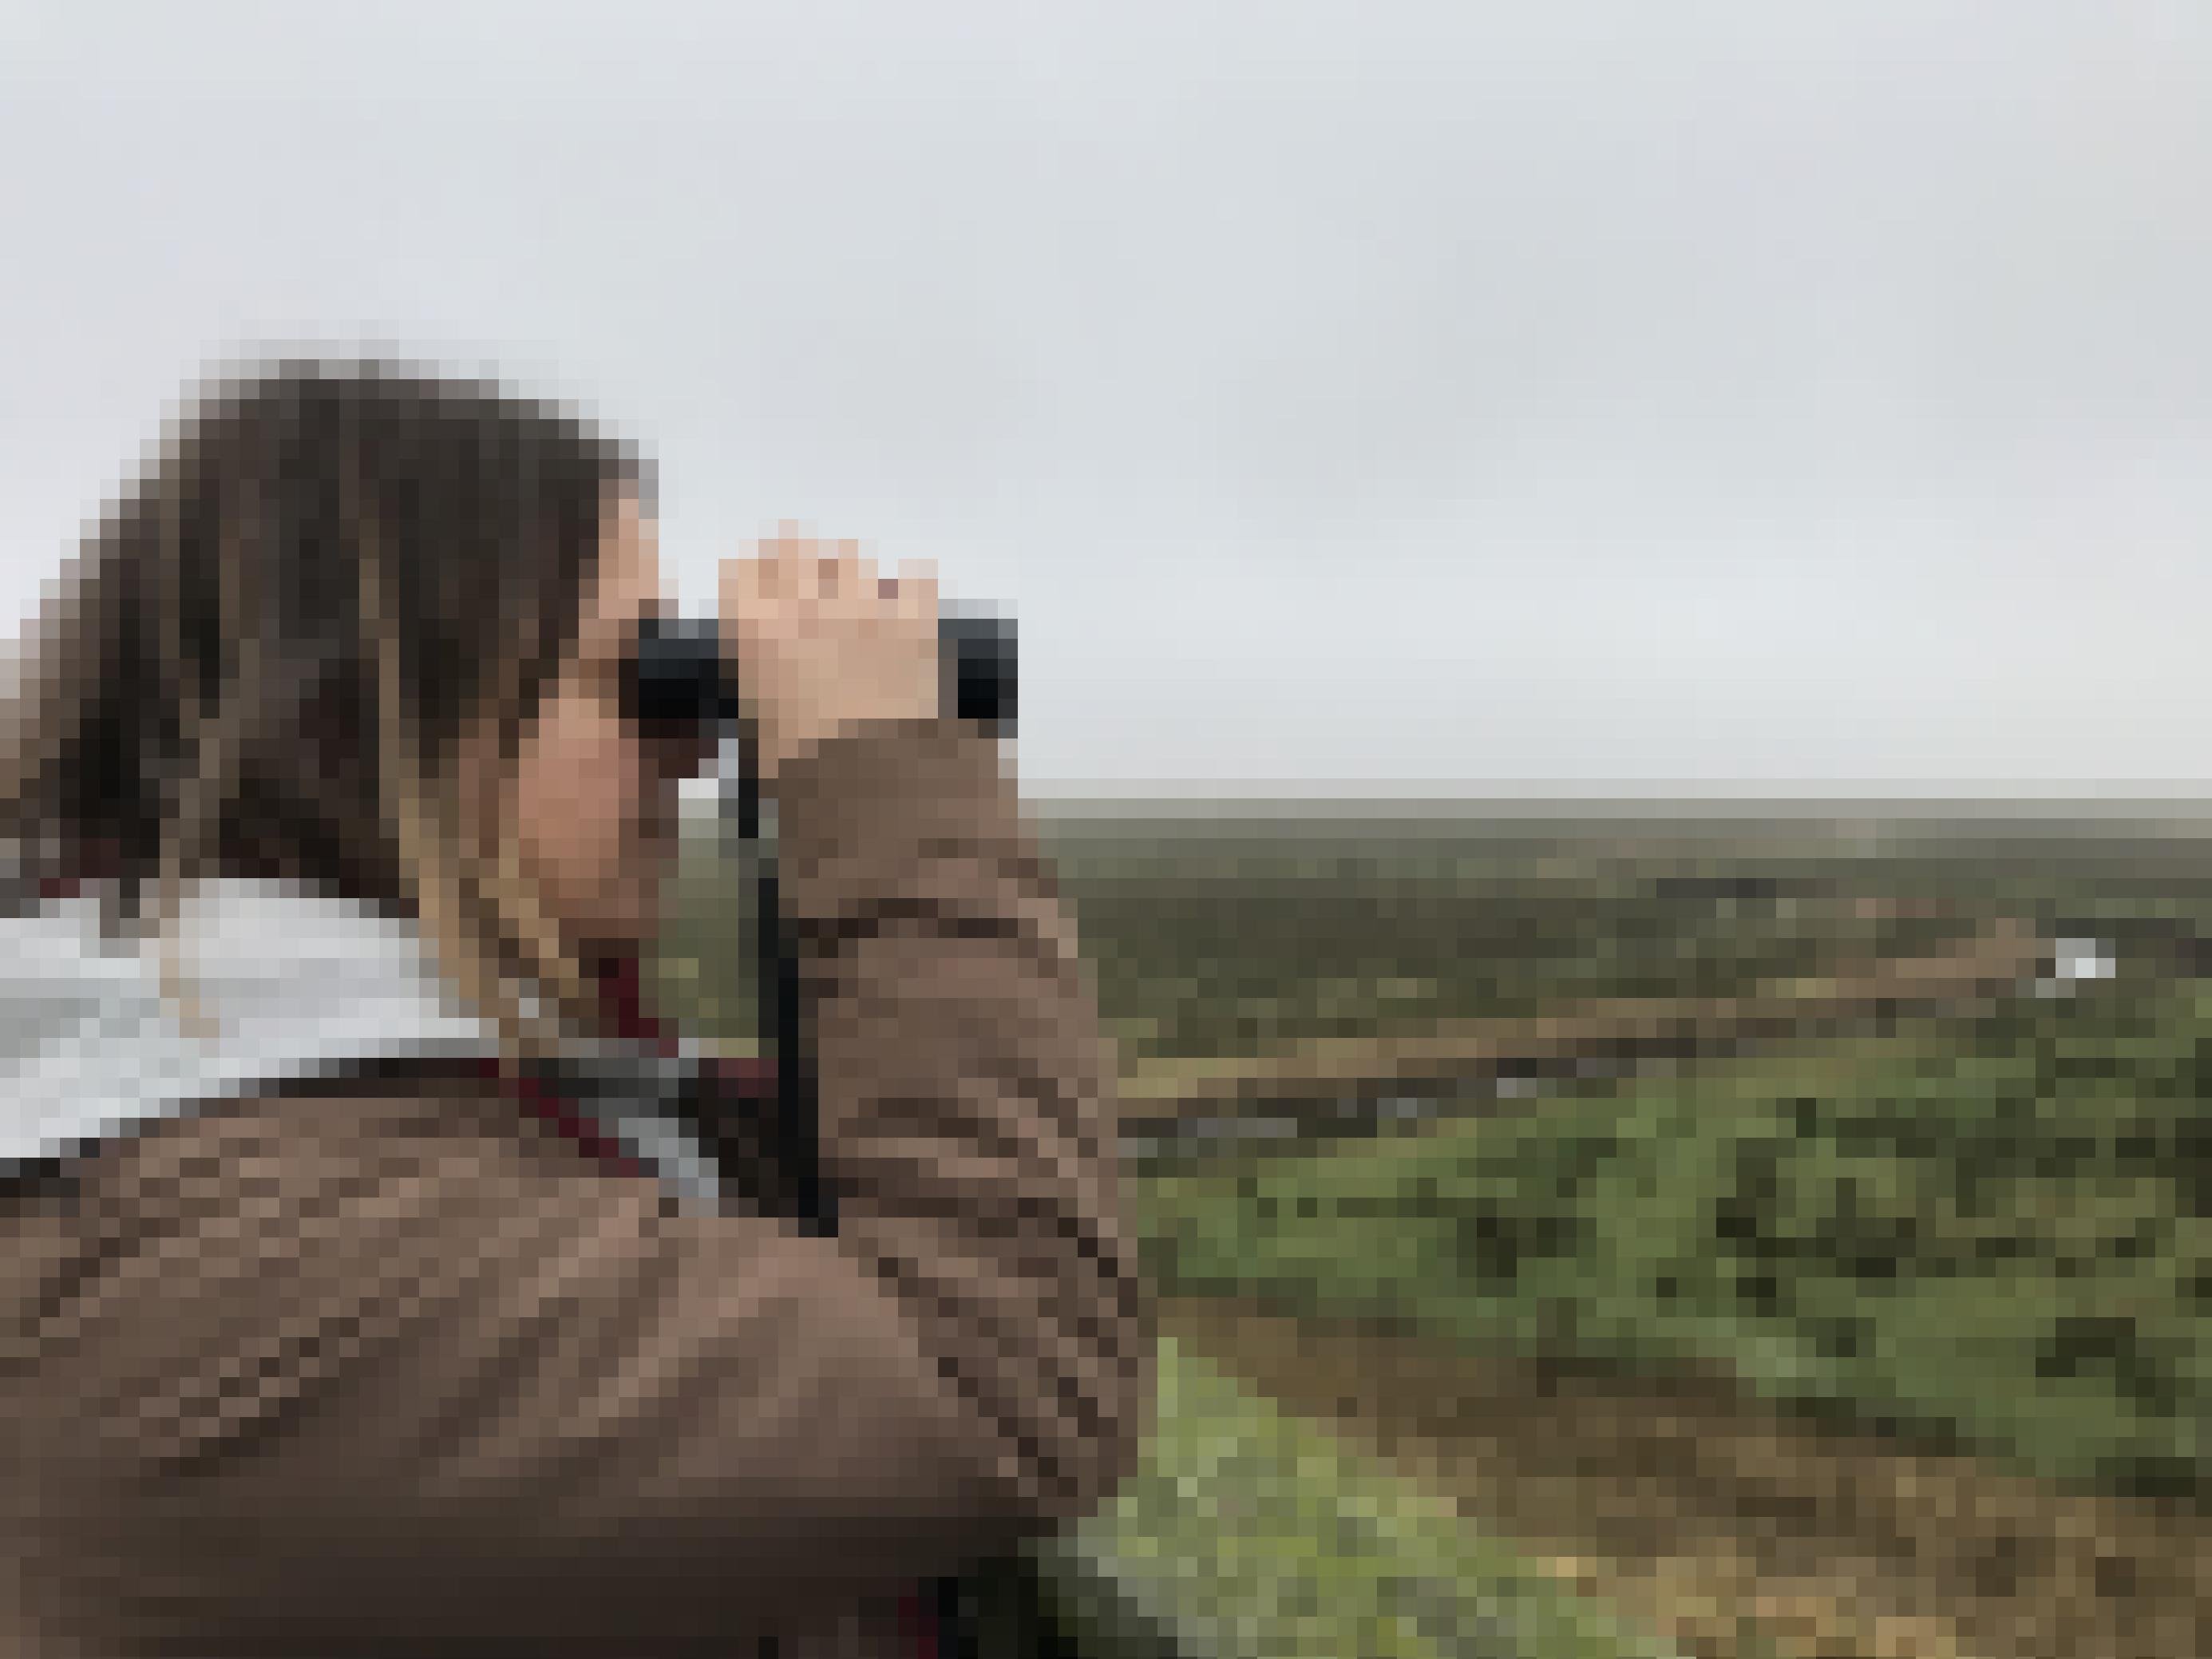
(620, 983)
(543, 1103)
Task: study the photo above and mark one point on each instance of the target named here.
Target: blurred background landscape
(1784, 1230)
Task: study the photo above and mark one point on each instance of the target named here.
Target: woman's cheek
(580, 810)
(636, 828)
(611, 813)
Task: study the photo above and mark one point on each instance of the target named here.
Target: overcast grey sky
(1403, 397)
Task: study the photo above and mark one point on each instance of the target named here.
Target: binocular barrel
(681, 680)
(682, 675)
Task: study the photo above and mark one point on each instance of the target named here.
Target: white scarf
(298, 986)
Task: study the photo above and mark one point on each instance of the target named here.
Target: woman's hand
(818, 642)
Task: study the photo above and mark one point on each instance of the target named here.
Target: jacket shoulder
(379, 1114)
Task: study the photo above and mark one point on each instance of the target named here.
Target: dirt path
(1725, 1522)
(1998, 963)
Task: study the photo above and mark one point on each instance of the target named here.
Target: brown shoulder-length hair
(268, 656)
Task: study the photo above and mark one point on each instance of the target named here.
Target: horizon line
(1839, 798)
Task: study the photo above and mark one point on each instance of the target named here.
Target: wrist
(895, 794)
(779, 750)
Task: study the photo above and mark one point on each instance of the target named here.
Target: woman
(366, 1288)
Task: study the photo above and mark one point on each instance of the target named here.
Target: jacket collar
(297, 986)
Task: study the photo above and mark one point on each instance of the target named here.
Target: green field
(1222, 937)
(2003, 1240)
(1993, 1233)
(1247, 1531)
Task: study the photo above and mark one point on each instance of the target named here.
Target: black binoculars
(679, 682)
(679, 679)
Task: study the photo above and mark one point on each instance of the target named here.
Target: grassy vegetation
(2006, 1238)
(701, 971)
(1220, 939)
(1998, 1231)
(1216, 939)
(1208, 948)
(2009, 1231)
(1249, 1532)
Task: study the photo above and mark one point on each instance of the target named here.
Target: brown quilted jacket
(381, 1364)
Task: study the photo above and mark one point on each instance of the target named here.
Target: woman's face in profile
(591, 802)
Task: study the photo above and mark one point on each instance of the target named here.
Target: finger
(747, 584)
(749, 578)
(737, 583)
(845, 574)
(776, 546)
(916, 585)
(788, 554)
